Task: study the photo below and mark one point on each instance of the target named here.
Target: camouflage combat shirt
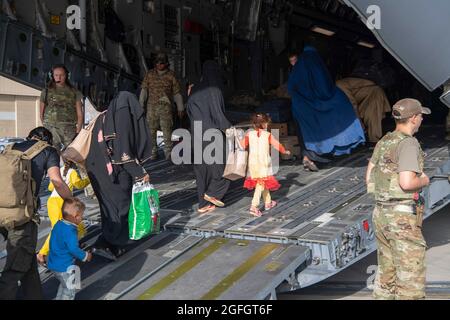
(161, 87)
(60, 106)
(394, 153)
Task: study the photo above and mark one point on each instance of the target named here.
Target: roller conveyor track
(302, 203)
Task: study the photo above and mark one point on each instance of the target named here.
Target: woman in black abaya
(206, 105)
(119, 156)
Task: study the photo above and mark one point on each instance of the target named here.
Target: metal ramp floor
(180, 267)
(307, 202)
(103, 279)
(220, 268)
(321, 226)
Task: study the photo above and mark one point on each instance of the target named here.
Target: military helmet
(161, 58)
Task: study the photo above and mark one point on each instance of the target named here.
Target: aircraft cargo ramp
(321, 226)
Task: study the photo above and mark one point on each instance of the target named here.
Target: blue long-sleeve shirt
(64, 247)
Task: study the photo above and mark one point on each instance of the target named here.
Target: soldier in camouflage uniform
(61, 110)
(159, 89)
(395, 176)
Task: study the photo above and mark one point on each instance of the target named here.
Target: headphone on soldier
(58, 66)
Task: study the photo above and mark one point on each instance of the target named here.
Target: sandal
(206, 209)
(270, 205)
(105, 253)
(255, 212)
(213, 200)
(309, 165)
(117, 251)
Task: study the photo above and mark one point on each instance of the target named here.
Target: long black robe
(118, 155)
(206, 104)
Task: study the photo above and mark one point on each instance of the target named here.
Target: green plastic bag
(143, 216)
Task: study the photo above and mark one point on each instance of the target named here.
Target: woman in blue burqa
(327, 122)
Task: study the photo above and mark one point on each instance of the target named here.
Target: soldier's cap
(407, 108)
(162, 58)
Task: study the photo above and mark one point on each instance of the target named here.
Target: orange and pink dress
(259, 169)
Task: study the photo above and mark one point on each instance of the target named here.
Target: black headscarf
(206, 102)
(125, 131)
(212, 75)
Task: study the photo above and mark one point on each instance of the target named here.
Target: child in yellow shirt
(55, 203)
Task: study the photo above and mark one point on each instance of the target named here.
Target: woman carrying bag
(206, 106)
(119, 156)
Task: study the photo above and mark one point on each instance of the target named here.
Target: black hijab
(125, 130)
(206, 102)
(212, 75)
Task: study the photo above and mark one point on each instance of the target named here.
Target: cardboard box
(244, 125)
(290, 143)
(281, 127)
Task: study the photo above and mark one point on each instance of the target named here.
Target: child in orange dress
(259, 169)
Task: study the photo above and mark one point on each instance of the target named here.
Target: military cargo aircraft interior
(328, 73)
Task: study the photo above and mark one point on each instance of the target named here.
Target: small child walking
(55, 203)
(259, 169)
(64, 249)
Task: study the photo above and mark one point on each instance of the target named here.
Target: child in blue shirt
(64, 249)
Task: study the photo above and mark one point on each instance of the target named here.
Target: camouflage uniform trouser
(160, 116)
(401, 254)
(63, 133)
